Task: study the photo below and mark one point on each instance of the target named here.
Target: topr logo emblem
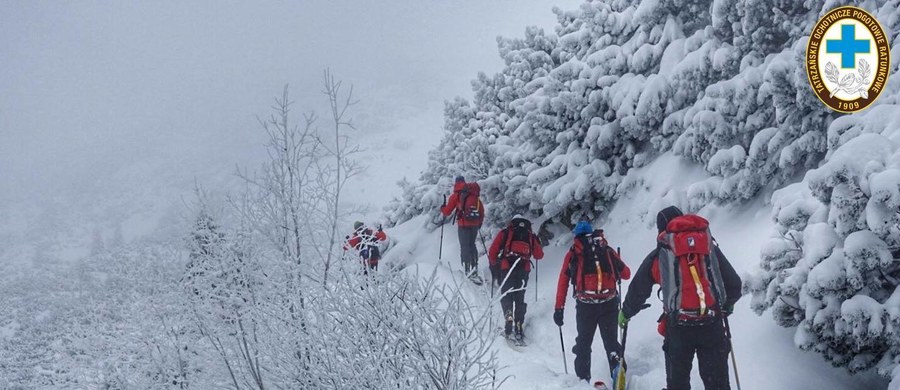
(690, 242)
(848, 59)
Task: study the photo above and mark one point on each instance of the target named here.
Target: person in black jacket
(693, 318)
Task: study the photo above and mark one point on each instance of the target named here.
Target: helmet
(460, 179)
(519, 220)
(357, 225)
(583, 227)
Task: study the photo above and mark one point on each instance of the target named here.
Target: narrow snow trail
(766, 356)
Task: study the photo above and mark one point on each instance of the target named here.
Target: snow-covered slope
(764, 351)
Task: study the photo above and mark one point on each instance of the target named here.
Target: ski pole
(441, 246)
(623, 367)
(535, 279)
(737, 379)
(492, 288)
(530, 242)
(619, 277)
(443, 222)
(562, 345)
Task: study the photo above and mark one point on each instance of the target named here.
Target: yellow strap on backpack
(599, 276)
(699, 286)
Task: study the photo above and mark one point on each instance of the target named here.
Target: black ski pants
(468, 252)
(711, 346)
(514, 302)
(589, 317)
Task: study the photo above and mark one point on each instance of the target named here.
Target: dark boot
(508, 330)
(520, 331)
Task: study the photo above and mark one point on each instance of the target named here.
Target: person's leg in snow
(607, 318)
(468, 252)
(506, 304)
(666, 359)
(508, 326)
(507, 300)
(682, 343)
(586, 316)
(521, 306)
(519, 301)
(463, 249)
(712, 357)
(473, 249)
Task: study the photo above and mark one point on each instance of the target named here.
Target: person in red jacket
(697, 293)
(465, 202)
(594, 269)
(510, 262)
(367, 244)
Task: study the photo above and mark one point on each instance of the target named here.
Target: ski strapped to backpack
(689, 271)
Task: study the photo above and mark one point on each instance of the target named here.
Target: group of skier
(698, 288)
(367, 243)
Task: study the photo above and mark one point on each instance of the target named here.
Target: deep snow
(765, 353)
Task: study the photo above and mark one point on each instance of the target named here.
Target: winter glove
(558, 317)
(623, 321)
(728, 309)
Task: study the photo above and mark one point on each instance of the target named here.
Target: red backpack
(592, 257)
(368, 247)
(689, 270)
(517, 239)
(469, 207)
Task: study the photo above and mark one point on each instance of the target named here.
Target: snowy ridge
(765, 354)
(567, 127)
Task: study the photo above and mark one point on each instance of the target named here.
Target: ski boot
(475, 278)
(471, 273)
(520, 333)
(508, 329)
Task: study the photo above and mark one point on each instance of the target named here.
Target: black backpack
(593, 249)
(517, 239)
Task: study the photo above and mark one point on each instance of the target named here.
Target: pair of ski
(618, 372)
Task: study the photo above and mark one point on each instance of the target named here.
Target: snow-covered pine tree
(718, 82)
(833, 270)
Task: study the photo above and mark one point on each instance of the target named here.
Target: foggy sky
(91, 87)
